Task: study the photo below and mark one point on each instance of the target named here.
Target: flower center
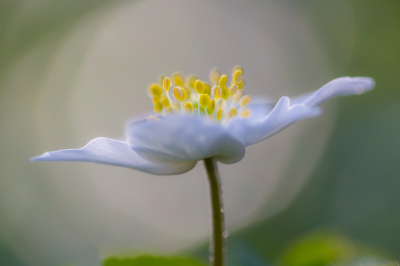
(192, 96)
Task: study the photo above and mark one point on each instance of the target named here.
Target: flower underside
(217, 100)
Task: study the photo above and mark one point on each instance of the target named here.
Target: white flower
(195, 121)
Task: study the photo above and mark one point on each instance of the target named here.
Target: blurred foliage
(151, 261)
(8, 258)
(323, 248)
(318, 249)
(25, 24)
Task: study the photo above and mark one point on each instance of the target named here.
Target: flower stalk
(217, 244)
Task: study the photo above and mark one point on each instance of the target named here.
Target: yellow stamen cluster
(192, 96)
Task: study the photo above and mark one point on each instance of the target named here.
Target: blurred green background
(322, 192)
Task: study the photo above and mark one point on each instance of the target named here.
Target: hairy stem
(217, 245)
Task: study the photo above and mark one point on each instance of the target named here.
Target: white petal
(115, 152)
(337, 87)
(286, 113)
(283, 115)
(182, 138)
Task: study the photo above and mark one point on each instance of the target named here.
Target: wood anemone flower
(194, 120)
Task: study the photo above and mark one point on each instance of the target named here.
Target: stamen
(166, 84)
(188, 107)
(232, 113)
(211, 107)
(222, 83)
(179, 94)
(246, 113)
(233, 89)
(155, 89)
(215, 74)
(191, 80)
(161, 78)
(155, 99)
(241, 84)
(237, 77)
(199, 86)
(225, 92)
(169, 110)
(223, 80)
(207, 88)
(164, 99)
(204, 100)
(245, 100)
(216, 92)
(236, 68)
(219, 114)
(187, 91)
(158, 107)
(178, 79)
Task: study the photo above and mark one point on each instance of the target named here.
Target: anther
(161, 79)
(232, 113)
(236, 68)
(241, 84)
(155, 89)
(155, 99)
(237, 77)
(187, 91)
(219, 114)
(199, 86)
(245, 113)
(245, 100)
(191, 80)
(207, 88)
(204, 100)
(216, 92)
(223, 80)
(211, 106)
(179, 94)
(188, 107)
(158, 107)
(222, 83)
(225, 92)
(166, 84)
(215, 74)
(178, 79)
(165, 101)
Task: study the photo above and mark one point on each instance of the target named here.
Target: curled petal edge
(281, 116)
(284, 113)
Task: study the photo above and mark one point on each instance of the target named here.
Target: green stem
(217, 245)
